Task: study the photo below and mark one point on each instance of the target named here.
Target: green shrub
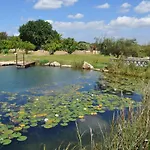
(42, 62)
(77, 65)
(5, 51)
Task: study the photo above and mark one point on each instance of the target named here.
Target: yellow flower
(81, 117)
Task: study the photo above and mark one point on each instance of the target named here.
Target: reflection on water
(43, 81)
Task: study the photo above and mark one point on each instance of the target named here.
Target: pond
(39, 106)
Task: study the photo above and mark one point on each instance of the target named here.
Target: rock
(105, 70)
(66, 66)
(97, 69)
(47, 64)
(87, 66)
(55, 64)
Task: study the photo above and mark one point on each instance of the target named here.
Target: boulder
(47, 64)
(87, 66)
(97, 69)
(66, 66)
(55, 64)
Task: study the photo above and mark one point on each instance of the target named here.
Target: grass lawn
(98, 61)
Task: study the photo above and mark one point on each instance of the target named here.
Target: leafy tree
(15, 42)
(69, 45)
(3, 36)
(5, 44)
(26, 46)
(83, 45)
(37, 32)
(126, 47)
(52, 47)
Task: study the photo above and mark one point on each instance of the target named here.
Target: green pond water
(41, 106)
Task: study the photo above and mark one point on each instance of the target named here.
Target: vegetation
(117, 47)
(41, 34)
(3, 36)
(39, 108)
(130, 129)
(69, 45)
(37, 32)
(98, 61)
(120, 67)
(15, 42)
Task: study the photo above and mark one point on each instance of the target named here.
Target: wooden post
(23, 60)
(16, 59)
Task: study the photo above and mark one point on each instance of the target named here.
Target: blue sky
(81, 19)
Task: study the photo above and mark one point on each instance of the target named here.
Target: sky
(81, 19)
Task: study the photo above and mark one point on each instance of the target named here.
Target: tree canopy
(127, 47)
(37, 32)
(3, 36)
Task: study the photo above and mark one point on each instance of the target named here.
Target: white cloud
(130, 22)
(77, 16)
(78, 25)
(125, 7)
(103, 6)
(124, 26)
(143, 7)
(120, 22)
(53, 4)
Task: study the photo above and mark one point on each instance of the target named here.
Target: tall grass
(120, 67)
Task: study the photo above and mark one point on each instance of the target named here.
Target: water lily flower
(46, 119)
(100, 105)
(92, 94)
(115, 89)
(56, 115)
(146, 140)
(37, 99)
(84, 108)
(81, 117)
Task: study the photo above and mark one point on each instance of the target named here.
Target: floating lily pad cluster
(57, 107)
(117, 83)
(8, 132)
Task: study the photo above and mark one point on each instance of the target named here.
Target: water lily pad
(22, 138)
(64, 124)
(16, 134)
(6, 142)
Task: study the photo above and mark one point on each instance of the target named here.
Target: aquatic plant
(57, 108)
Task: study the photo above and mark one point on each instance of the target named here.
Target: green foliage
(83, 45)
(5, 51)
(78, 64)
(3, 36)
(145, 50)
(27, 46)
(52, 47)
(69, 45)
(119, 67)
(42, 62)
(15, 42)
(5, 44)
(37, 32)
(126, 47)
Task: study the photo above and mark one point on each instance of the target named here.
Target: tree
(3, 36)
(37, 32)
(116, 47)
(83, 45)
(69, 45)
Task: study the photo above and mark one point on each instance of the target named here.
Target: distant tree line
(39, 34)
(122, 46)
